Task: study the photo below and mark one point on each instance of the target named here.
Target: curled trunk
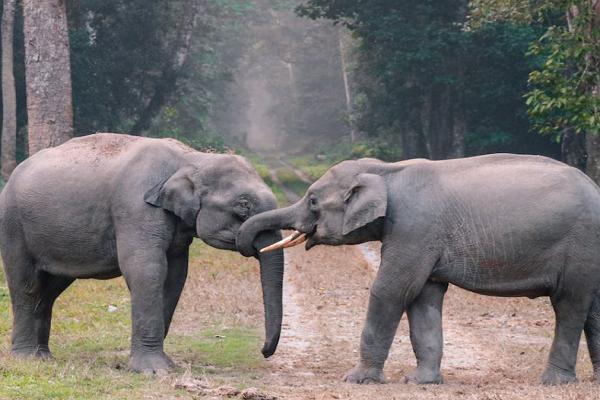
(271, 220)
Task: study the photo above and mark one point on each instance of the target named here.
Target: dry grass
(216, 332)
(495, 348)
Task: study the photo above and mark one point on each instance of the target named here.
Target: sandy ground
(495, 348)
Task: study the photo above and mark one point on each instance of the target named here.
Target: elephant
(106, 205)
(499, 225)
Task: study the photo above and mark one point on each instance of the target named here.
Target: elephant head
(345, 206)
(213, 195)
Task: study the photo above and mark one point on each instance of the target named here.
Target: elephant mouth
(295, 239)
(223, 241)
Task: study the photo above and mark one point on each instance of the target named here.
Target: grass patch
(91, 343)
(311, 167)
(289, 179)
(227, 348)
(265, 174)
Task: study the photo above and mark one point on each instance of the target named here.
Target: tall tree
(172, 68)
(344, 67)
(9, 100)
(414, 53)
(564, 100)
(48, 73)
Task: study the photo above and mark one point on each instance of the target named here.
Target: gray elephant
(501, 225)
(107, 205)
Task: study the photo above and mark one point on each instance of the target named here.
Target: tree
(172, 68)
(412, 77)
(564, 100)
(428, 84)
(48, 74)
(9, 100)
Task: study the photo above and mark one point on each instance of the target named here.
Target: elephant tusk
(301, 239)
(282, 243)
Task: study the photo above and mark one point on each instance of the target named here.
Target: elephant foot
(151, 363)
(38, 352)
(596, 378)
(554, 376)
(424, 376)
(362, 374)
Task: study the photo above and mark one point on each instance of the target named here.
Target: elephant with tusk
(107, 205)
(500, 225)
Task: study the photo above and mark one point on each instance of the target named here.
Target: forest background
(329, 78)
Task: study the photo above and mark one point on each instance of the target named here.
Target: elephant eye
(242, 208)
(312, 201)
(244, 203)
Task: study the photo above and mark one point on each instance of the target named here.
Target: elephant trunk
(282, 218)
(271, 277)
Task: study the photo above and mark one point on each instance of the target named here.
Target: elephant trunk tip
(270, 347)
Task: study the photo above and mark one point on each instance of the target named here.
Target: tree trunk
(592, 140)
(592, 146)
(47, 73)
(9, 101)
(458, 121)
(172, 68)
(572, 148)
(344, 67)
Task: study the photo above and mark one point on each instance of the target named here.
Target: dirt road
(494, 348)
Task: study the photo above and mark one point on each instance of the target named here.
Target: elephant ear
(366, 200)
(176, 194)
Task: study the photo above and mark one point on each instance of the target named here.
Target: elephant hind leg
(425, 321)
(32, 310)
(571, 311)
(592, 335)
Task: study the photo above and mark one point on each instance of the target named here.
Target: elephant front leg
(146, 275)
(396, 285)
(176, 276)
(378, 334)
(425, 321)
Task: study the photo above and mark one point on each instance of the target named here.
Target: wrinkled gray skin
(107, 205)
(501, 225)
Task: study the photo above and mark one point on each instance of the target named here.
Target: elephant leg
(396, 285)
(52, 288)
(571, 313)
(32, 310)
(145, 268)
(425, 321)
(176, 276)
(592, 335)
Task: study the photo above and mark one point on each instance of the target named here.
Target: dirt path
(494, 348)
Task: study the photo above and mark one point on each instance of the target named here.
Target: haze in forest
(394, 80)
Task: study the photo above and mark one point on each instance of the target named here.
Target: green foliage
(120, 48)
(206, 143)
(265, 173)
(422, 73)
(289, 179)
(562, 87)
(497, 68)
